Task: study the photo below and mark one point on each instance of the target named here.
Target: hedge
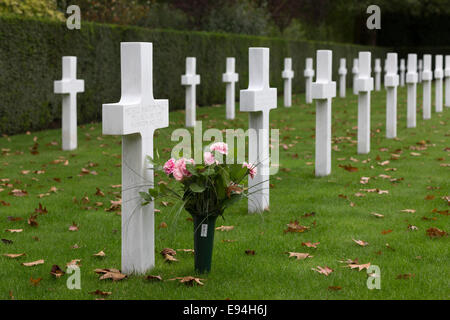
(31, 51)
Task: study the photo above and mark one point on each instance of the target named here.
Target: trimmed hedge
(31, 51)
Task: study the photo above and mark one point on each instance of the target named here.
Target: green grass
(269, 274)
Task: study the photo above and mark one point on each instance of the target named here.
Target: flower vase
(204, 227)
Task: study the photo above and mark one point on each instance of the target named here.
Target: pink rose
(169, 166)
(251, 169)
(180, 171)
(209, 159)
(220, 147)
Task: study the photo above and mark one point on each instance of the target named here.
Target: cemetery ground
(406, 180)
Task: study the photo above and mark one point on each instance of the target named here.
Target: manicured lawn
(340, 215)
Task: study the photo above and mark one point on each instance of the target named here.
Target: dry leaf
(294, 226)
(56, 271)
(73, 227)
(189, 280)
(323, 270)
(299, 255)
(436, 233)
(377, 215)
(361, 242)
(34, 263)
(250, 252)
(14, 255)
(14, 230)
(408, 210)
(101, 293)
(225, 228)
(359, 266)
(153, 278)
(35, 282)
(310, 244)
(99, 254)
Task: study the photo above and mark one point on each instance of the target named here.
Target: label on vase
(204, 231)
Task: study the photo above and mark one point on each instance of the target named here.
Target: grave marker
(427, 76)
(309, 74)
(355, 74)
(258, 100)
(377, 71)
(402, 72)
(364, 85)
(419, 70)
(447, 81)
(190, 80)
(391, 80)
(287, 75)
(342, 77)
(323, 90)
(69, 86)
(230, 78)
(439, 75)
(411, 80)
(135, 117)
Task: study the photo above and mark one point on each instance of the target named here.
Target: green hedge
(31, 51)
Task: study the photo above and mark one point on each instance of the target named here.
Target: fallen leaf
(14, 255)
(189, 280)
(33, 263)
(386, 231)
(294, 226)
(56, 271)
(377, 215)
(349, 168)
(359, 266)
(408, 210)
(310, 244)
(436, 233)
(323, 270)
(99, 254)
(225, 228)
(115, 276)
(361, 242)
(429, 197)
(14, 230)
(101, 293)
(334, 288)
(153, 278)
(406, 276)
(35, 282)
(41, 209)
(299, 255)
(250, 252)
(73, 227)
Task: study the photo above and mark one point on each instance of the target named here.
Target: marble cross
(258, 100)
(447, 81)
(309, 74)
(364, 85)
(411, 81)
(190, 80)
(342, 77)
(439, 75)
(230, 77)
(419, 70)
(136, 117)
(391, 81)
(323, 90)
(377, 71)
(287, 75)
(402, 72)
(69, 86)
(427, 76)
(355, 75)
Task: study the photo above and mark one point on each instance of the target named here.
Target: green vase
(204, 228)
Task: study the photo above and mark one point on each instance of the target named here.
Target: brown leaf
(32, 221)
(163, 225)
(361, 242)
(115, 276)
(334, 288)
(168, 251)
(41, 209)
(153, 278)
(225, 228)
(408, 210)
(299, 255)
(18, 193)
(189, 280)
(386, 231)
(99, 254)
(436, 233)
(35, 282)
(33, 263)
(250, 252)
(377, 215)
(429, 197)
(310, 244)
(359, 266)
(14, 230)
(349, 168)
(56, 271)
(294, 226)
(99, 193)
(406, 276)
(98, 292)
(14, 255)
(323, 270)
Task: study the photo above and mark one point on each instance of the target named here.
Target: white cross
(287, 75)
(447, 81)
(427, 76)
(377, 71)
(323, 90)
(419, 69)
(402, 72)
(258, 100)
(135, 117)
(364, 85)
(411, 81)
(439, 75)
(190, 80)
(342, 77)
(309, 74)
(230, 78)
(355, 74)
(391, 81)
(69, 86)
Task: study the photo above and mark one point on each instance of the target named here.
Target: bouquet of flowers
(208, 189)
